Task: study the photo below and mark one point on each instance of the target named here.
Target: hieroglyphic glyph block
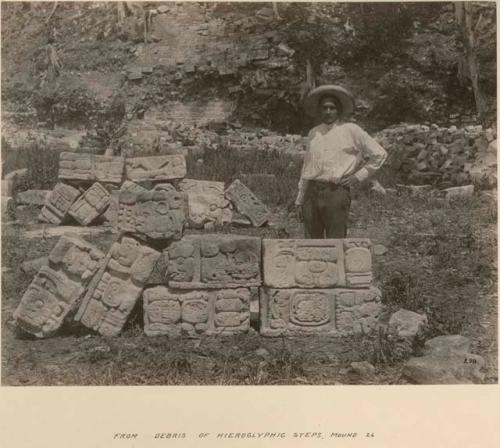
(58, 203)
(90, 205)
(358, 262)
(303, 263)
(217, 311)
(214, 261)
(247, 203)
(114, 291)
(206, 203)
(155, 168)
(90, 168)
(337, 312)
(111, 213)
(156, 214)
(56, 290)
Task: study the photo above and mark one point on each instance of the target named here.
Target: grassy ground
(441, 261)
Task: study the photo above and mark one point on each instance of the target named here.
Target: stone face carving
(156, 214)
(214, 261)
(247, 203)
(206, 203)
(57, 288)
(58, 203)
(218, 311)
(317, 263)
(337, 312)
(90, 168)
(114, 291)
(156, 168)
(90, 205)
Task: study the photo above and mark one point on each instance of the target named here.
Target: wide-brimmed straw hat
(311, 102)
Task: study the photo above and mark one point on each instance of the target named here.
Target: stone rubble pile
(443, 157)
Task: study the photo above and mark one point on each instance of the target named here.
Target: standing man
(334, 162)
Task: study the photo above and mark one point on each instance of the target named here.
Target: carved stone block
(90, 168)
(338, 312)
(214, 261)
(90, 205)
(56, 290)
(156, 214)
(206, 203)
(58, 203)
(247, 203)
(114, 291)
(156, 168)
(217, 311)
(111, 213)
(358, 262)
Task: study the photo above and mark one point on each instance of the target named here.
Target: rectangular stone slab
(317, 263)
(247, 203)
(155, 214)
(214, 261)
(90, 205)
(333, 311)
(114, 291)
(111, 213)
(217, 311)
(56, 290)
(91, 168)
(206, 203)
(58, 203)
(157, 168)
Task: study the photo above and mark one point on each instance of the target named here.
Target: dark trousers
(326, 210)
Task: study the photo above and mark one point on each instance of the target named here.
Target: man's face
(328, 111)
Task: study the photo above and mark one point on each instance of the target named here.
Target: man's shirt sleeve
(371, 150)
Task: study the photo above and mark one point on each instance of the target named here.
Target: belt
(323, 185)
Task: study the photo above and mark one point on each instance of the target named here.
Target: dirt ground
(441, 261)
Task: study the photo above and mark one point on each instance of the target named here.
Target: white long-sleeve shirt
(337, 151)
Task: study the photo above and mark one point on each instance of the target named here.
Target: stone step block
(247, 203)
(157, 168)
(317, 263)
(81, 167)
(216, 311)
(214, 261)
(111, 213)
(206, 203)
(117, 286)
(90, 205)
(58, 203)
(56, 290)
(155, 214)
(333, 311)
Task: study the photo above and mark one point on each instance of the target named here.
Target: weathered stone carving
(114, 291)
(56, 290)
(214, 261)
(222, 311)
(90, 205)
(337, 312)
(358, 263)
(247, 203)
(156, 214)
(206, 203)
(90, 168)
(58, 203)
(111, 213)
(156, 168)
(303, 263)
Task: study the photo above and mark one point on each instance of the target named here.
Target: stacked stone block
(318, 286)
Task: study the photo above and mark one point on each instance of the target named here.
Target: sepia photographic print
(249, 193)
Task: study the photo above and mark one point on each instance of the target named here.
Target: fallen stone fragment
(56, 290)
(247, 203)
(157, 168)
(58, 203)
(90, 205)
(8, 209)
(415, 190)
(361, 370)
(11, 179)
(206, 203)
(33, 266)
(333, 311)
(378, 188)
(33, 197)
(446, 360)
(169, 312)
(465, 191)
(214, 261)
(51, 232)
(89, 168)
(117, 286)
(407, 324)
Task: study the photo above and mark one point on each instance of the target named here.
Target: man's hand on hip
(349, 181)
